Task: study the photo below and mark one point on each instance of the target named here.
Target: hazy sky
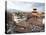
(25, 6)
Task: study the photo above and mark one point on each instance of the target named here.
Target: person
(34, 13)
